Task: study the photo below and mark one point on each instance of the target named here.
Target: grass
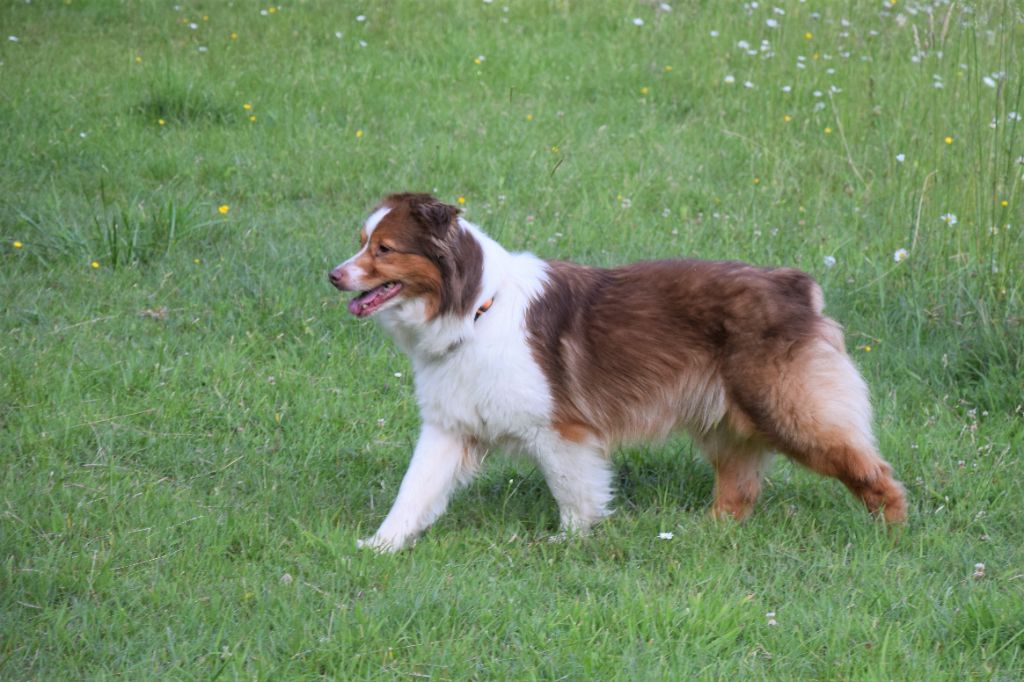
(194, 432)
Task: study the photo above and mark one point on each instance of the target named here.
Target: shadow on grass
(649, 480)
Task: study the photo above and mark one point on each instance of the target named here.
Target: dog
(565, 362)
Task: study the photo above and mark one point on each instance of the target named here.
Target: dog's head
(413, 248)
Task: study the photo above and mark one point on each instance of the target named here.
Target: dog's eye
(383, 248)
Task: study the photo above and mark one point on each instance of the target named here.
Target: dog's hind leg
(579, 474)
(739, 468)
(440, 463)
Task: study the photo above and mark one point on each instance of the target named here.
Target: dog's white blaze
(374, 220)
(354, 272)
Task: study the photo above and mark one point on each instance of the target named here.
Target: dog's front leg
(440, 462)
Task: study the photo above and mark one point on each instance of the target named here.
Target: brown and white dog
(564, 362)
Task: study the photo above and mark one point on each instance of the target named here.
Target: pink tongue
(364, 304)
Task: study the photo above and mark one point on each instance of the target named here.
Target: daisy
(948, 218)
(900, 255)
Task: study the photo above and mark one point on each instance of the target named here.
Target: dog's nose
(337, 277)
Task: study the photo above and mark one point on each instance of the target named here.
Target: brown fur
(425, 252)
(740, 356)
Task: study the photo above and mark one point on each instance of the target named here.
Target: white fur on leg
(440, 462)
(580, 478)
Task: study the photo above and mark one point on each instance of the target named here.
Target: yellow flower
(828, 131)
(234, 36)
(529, 117)
(160, 121)
(138, 60)
(16, 244)
(808, 35)
(223, 209)
(477, 61)
(196, 261)
(359, 134)
(1004, 203)
(461, 200)
(206, 17)
(247, 106)
(668, 68)
(252, 119)
(271, 10)
(95, 265)
(554, 149)
(787, 118)
(757, 181)
(644, 90)
(948, 139)
(867, 349)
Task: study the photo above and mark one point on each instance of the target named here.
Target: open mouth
(369, 302)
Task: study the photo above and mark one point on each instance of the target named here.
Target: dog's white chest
(492, 389)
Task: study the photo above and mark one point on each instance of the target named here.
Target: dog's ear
(437, 217)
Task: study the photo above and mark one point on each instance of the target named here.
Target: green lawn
(194, 432)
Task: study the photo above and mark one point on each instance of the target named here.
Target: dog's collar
(484, 307)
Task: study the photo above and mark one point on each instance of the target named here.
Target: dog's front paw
(381, 544)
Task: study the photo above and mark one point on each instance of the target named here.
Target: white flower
(363, 43)
(948, 218)
(771, 618)
(665, 7)
(829, 261)
(979, 570)
(203, 48)
(771, 23)
(627, 202)
(900, 255)
(339, 35)
(816, 93)
(665, 536)
(901, 157)
(287, 579)
(713, 34)
(730, 79)
(82, 134)
(743, 45)
(787, 88)
(361, 17)
(398, 375)
(637, 21)
(989, 81)
(748, 85)
(193, 25)
(1013, 116)
(13, 39)
(778, 10)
